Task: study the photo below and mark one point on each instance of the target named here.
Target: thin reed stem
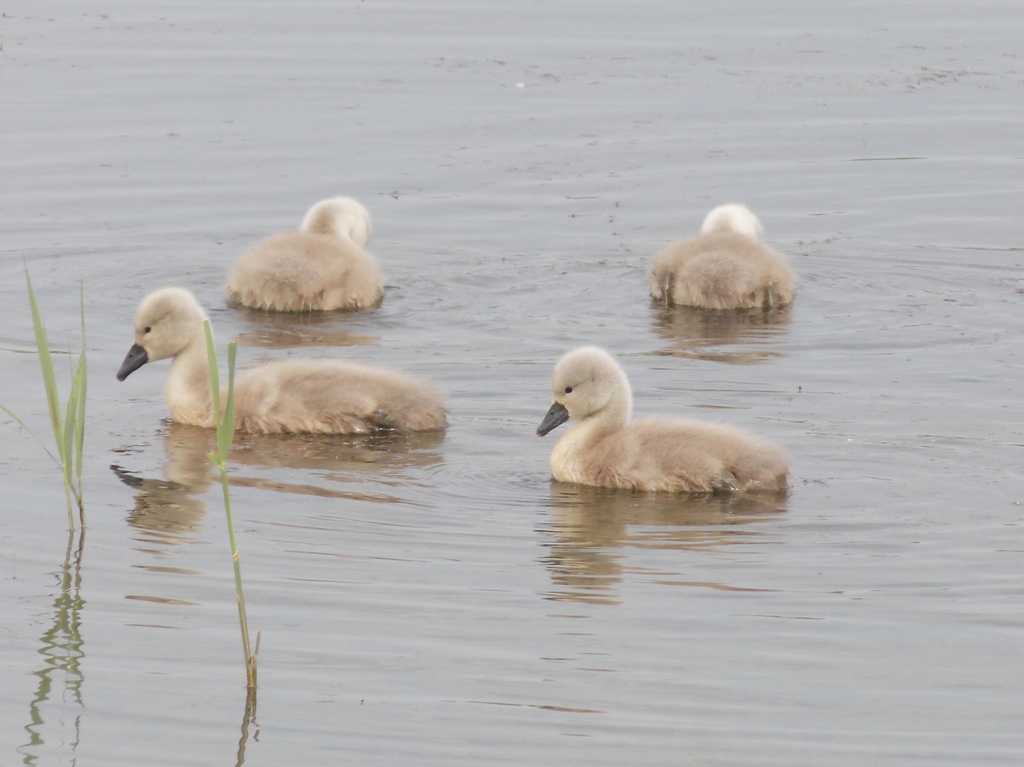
(250, 657)
(225, 424)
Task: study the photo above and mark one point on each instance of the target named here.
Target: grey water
(438, 600)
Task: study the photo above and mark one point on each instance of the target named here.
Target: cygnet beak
(135, 359)
(555, 417)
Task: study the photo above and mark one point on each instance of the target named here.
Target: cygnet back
(727, 266)
(322, 267)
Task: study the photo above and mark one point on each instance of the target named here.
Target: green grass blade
(69, 433)
(226, 429)
(74, 431)
(211, 355)
(46, 364)
(79, 385)
(80, 382)
(225, 434)
(69, 427)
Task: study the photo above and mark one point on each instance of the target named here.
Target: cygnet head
(588, 382)
(166, 322)
(733, 218)
(341, 217)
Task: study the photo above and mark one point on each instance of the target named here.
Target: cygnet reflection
(592, 527)
(740, 337)
(268, 330)
(169, 510)
(371, 461)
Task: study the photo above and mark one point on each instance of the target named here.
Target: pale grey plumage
(606, 449)
(293, 395)
(321, 267)
(727, 266)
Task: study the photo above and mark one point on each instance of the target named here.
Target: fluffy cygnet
(321, 267)
(324, 396)
(727, 266)
(606, 449)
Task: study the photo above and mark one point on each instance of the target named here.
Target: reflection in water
(699, 333)
(61, 648)
(352, 457)
(376, 459)
(286, 330)
(248, 720)
(589, 526)
(168, 511)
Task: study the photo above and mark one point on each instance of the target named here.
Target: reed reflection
(248, 722)
(707, 335)
(590, 527)
(169, 510)
(61, 650)
(287, 330)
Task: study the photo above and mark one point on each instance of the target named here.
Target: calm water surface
(437, 600)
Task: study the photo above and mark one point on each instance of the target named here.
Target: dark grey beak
(135, 359)
(556, 416)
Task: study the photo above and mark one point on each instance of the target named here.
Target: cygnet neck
(188, 385)
(612, 417)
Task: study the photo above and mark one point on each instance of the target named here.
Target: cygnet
(326, 396)
(727, 266)
(606, 449)
(321, 267)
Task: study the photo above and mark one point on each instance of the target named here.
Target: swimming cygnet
(321, 267)
(325, 396)
(606, 449)
(727, 266)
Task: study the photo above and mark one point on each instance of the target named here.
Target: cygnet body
(606, 449)
(326, 396)
(727, 266)
(321, 267)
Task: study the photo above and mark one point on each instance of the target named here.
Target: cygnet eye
(568, 390)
